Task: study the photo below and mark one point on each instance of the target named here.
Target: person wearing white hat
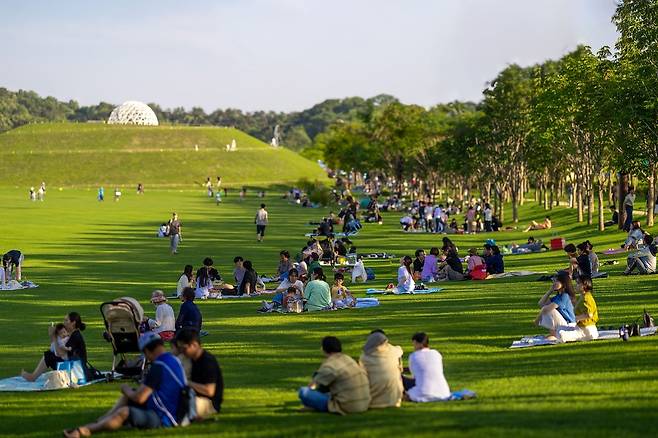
(164, 323)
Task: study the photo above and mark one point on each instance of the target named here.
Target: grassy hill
(66, 154)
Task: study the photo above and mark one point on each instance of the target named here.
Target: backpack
(186, 412)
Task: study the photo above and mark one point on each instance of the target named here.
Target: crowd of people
(478, 216)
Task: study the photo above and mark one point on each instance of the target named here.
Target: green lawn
(82, 252)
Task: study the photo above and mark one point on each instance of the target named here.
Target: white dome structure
(133, 113)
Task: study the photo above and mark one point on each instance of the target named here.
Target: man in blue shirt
(154, 404)
(189, 314)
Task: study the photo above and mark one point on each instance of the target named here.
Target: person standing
(488, 217)
(101, 194)
(629, 200)
(261, 220)
(175, 235)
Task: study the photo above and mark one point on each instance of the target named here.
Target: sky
(283, 55)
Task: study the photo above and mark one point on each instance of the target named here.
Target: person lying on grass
(153, 404)
(546, 225)
(189, 314)
(317, 292)
(341, 297)
(340, 385)
(428, 383)
(383, 365)
(644, 259)
(557, 312)
(587, 315)
(206, 376)
(73, 349)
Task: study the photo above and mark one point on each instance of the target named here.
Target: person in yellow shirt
(587, 315)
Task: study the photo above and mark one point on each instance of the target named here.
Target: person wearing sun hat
(164, 323)
(383, 364)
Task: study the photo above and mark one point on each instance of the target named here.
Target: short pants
(143, 418)
(260, 229)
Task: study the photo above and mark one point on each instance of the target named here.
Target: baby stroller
(123, 318)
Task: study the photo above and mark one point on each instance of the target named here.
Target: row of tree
(298, 129)
(568, 126)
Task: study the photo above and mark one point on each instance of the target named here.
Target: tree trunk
(611, 200)
(601, 216)
(579, 201)
(622, 191)
(552, 195)
(590, 203)
(501, 207)
(651, 194)
(515, 204)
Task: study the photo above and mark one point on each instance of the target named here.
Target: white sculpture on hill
(133, 113)
(232, 147)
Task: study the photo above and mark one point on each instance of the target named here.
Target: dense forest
(298, 129)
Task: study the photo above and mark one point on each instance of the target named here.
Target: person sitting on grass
(284, 265)
(557, 312)
(493, 259)
(204, 279)
(74, 348)
(281, 293)
(164, 323)
(406, 283)
(340, 385)
(428, 383)
(635, 236)
(546, 225)
(341, 297)
(583, 261)
(189, 314)
(593, 258)
(185, 280)
(317, 292)
(644, 259)
(249, 280)
(450, 269)
(419, 261)
(383, 364)
(615, 217)
(476, 267)
(206, 375)
(430, 270)
(238, 271)
(292, 280)
(315, 262)
(154, 404)
(587, 315)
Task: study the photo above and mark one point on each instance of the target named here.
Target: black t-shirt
(12, 257)
(453, 261)
(418, 265)
(584, 265)
(77, 346)
(249, 278)
(206, 370)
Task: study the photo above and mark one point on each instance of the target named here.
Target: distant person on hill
(426, 365)
(261, 221)
(175, 234)
(41, 193)
(629, 200)
(557, 311)
(33, 195)
(546, 225)
(140, 189)
(644, 260)
(189, 314)
(340, 385)
(117, 194)
(101, 194)
(12, 262)
(154, 404)
(209, 187)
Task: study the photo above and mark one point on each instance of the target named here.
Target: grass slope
(67, 154)
(82, 253)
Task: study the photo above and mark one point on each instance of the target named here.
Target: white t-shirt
(164, 321)
(261, 217)
(183, 282)
(285, 284)
(427, 368)
(202, 291)
(488, 214)
(405, 279)
(437, 212)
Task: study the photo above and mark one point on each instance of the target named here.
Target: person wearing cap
(340, 385)
(383, 364)
(164, 323)
(154, 403)
(206, 375)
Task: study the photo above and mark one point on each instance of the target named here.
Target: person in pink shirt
(476, 266)
(430, 265)
(471, 224)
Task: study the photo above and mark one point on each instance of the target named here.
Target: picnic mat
(539, 340)
(19, 384)
(612, 251)
(431, 290)
(15, 285)
(512, 274)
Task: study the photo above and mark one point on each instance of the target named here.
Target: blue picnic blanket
(431, 290)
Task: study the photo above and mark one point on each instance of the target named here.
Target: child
(341, 297)
(163, 231)
(61, 338)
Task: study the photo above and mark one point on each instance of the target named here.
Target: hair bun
(82, 326)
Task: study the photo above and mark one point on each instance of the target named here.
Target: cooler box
(557, 243)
